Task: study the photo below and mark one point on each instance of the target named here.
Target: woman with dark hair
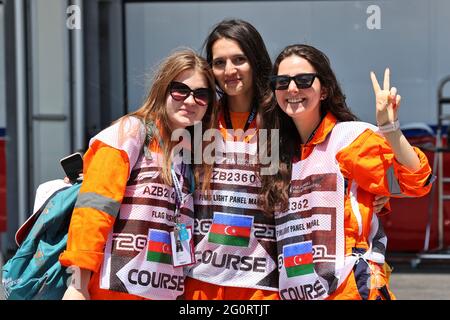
(136, 200)
(239, 40)
(236, 255)
(330, 243)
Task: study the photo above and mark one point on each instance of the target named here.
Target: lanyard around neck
(153, 132)
(178, 185)
(250, 118)
(311, 136)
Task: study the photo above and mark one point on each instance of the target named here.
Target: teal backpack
(34, 272)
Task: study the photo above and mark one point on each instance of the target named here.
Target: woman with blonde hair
(135, 204)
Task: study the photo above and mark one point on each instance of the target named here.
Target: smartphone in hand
(72, 166)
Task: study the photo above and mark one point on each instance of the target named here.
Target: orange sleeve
(369, 160)
(101, 193)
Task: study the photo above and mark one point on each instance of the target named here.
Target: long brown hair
(252, 44)
(154, 107)
(275, 189)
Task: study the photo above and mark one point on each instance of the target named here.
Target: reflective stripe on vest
(97, 201)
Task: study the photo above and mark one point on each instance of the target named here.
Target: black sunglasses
(180, 91)
(302, 81)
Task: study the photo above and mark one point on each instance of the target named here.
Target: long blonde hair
(154, 107)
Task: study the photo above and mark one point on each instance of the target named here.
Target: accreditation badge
(182, 248)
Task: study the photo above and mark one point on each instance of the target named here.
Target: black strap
(250, 118)
(178, 185)
(314, 132)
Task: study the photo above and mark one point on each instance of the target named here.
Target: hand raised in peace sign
(387, 100)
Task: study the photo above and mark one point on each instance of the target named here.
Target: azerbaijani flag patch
(298, 259)
(158, 248)
(231, 229)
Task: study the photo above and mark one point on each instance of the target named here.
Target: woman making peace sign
(330, 243)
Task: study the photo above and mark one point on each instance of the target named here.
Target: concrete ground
(421, 286)
(426, 280)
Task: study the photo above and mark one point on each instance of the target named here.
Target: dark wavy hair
(252, 44)
(275, 189)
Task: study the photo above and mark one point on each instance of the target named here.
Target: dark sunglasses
(302, 81)
(180, 91)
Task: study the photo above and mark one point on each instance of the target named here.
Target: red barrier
(2, 185)
(406, 225)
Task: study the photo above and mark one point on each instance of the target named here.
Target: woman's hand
(67, 180)
(379, 203)
(73, 293)
(387, 103)
(387, 100)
